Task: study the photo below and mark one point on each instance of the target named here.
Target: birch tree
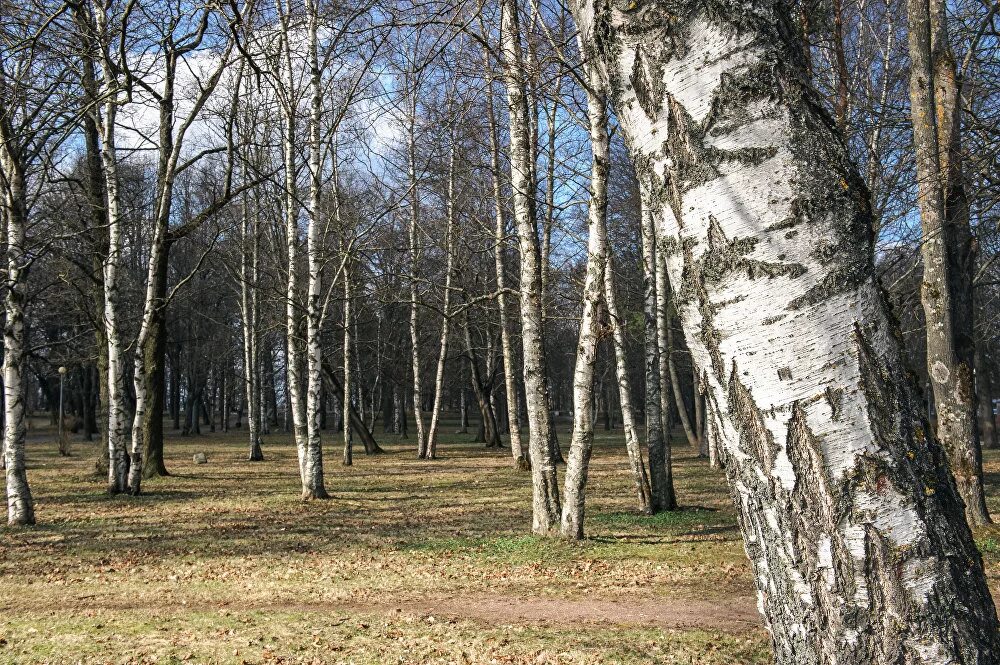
(545, 491)
(34, 93)
(312, 470)
(101, 26)
(582, 442)
(660, 480)
(518, 452)
(850, 517)
(449, 248)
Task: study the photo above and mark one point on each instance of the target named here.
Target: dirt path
(736, 614)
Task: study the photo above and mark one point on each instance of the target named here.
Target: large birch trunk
(849, 514)
(295, 405)
(117, 419)
(418, 398)
(545, 490)
(946, 288)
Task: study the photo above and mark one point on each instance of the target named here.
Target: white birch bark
(117, 414)
(632, 444)
(849, 515)
(249, 309)
(150, 304)
(312, 478)
(295, 407)
(518, 452)
(660, 481)
(545, 490)
(665, 346)
(20, 504)
(582, 442)
(411, 153)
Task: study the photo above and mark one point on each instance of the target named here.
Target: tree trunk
(20, 505)
(117, 419)
(357, 424)
(517, 448)
(249, 309)
(313, 486)
(632, 443)
(545, 490)
(946, 288)
(348, 379)
(984, 390)
(664, 344)
(582, 442)
(661, 485)
(445, 306)
(675, 383)
(414, 262)
(849, 514)
(487, 423)
(463, 423)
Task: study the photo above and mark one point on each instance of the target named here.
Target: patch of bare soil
(734, 614)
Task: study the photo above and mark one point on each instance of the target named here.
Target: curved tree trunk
(849, 514)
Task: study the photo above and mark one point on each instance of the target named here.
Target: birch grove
(749, 245)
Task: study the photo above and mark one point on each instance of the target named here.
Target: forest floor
(409, 562)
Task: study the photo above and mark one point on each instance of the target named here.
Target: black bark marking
(835, 398)
(648, 86)
(755, 439)
(727, 256)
